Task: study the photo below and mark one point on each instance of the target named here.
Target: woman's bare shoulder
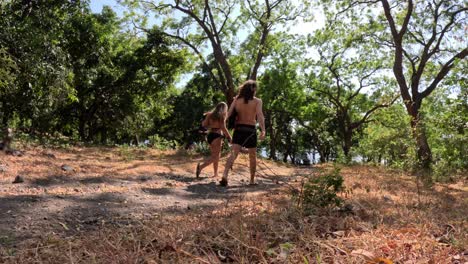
(207, 115)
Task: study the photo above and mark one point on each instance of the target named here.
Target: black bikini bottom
(212, 136)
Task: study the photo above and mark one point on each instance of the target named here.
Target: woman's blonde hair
(219, 112)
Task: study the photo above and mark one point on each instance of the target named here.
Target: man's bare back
(247, 112)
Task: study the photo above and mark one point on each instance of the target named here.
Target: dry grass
(389, 220)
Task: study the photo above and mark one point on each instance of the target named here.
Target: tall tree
(32, 34)
(8, 71)
(217, 24)
(426, 40)
(349, 76)
(119, 80)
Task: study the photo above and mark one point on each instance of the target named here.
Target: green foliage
(69, 75)
(162, 143)
(7, 71)
(387, 140)
(426, 49)
(446, 121)
(282, 96)
(79, 74)
(188, 108)
(321, 191)
(349, 77)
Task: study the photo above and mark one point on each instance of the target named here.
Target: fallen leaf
(64, 226)
(363, 253)
(382, 261)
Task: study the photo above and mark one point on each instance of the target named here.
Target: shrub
(321, 191)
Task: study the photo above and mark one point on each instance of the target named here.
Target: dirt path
(111, 186)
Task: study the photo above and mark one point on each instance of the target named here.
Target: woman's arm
(206, 121)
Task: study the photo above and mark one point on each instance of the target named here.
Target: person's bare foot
(223, 182)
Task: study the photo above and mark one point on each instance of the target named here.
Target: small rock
(362, 228)
(49, 155)
(348, 208)
(3, 168)
(338, 233)
(170, 184)
(188, 208)
(16, 153)
(387, 198)
(67, 168)
(76, 190)
(144, 178)
(18, 179)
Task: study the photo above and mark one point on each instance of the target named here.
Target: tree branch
(355, 125)
(361, 85)
(261, 45)
(444, 71)
(354, 4)
(398, 63)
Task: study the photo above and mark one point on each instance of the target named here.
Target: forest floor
(124, 205)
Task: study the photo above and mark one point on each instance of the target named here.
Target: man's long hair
(247, 90)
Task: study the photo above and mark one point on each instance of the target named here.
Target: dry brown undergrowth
(388, 220)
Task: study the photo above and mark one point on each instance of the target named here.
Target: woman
(216, 122)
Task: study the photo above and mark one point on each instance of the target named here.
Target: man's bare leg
(253, 164)
(234, 152)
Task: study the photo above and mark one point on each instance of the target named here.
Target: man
(249, 110)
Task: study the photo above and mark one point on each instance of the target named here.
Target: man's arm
(231, 107)
(225, 131)
(261, 118)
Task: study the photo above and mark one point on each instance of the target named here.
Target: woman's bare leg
(215, 153)
(215, 149)
(253, 164)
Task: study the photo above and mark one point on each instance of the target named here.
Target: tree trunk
(81, 128)
(271, 132)
(226, 72)
(423, 151)
(137, 139)
(285, 156)
(323, 157)
(7, 139)
(347, 141)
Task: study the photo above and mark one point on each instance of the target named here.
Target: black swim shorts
(245, 135)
